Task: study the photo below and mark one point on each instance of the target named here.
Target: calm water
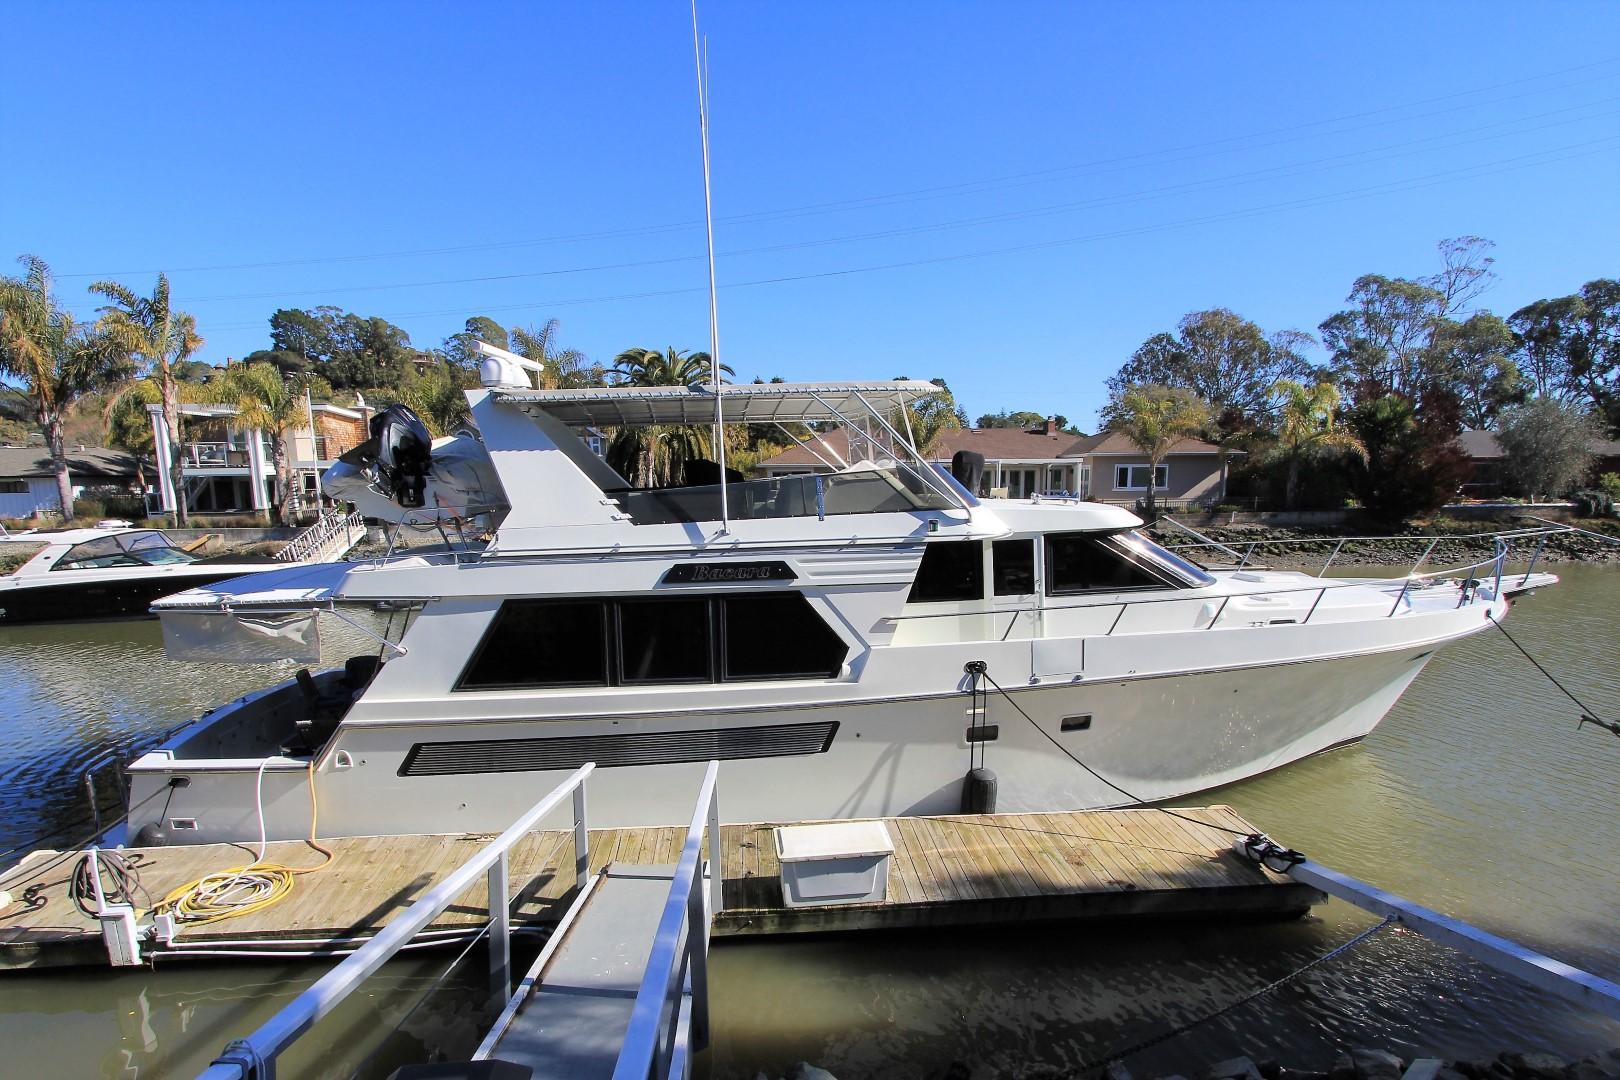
(1476, 796)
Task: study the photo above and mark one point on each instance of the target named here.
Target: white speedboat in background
(112, 571)
(836, 640)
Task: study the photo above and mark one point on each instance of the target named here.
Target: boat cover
(256, 619)
(242, 637)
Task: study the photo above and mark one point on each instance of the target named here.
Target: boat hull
(1146, 739)
(122, 598)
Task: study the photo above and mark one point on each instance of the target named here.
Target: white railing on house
(254, 1058)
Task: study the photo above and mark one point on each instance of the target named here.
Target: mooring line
(1588, 714)
(1182, 1029)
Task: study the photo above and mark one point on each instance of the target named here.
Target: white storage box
(843, 862)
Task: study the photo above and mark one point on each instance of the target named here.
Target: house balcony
(203, 457)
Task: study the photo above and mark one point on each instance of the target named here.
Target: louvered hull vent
(610, 751)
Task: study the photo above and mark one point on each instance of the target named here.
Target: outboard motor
(397, 456)
(967, 468)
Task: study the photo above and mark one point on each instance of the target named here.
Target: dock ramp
(569, 1017)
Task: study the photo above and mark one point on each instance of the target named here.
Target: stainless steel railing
(660, 1038)
(254, 1057)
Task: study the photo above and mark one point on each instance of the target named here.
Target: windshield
(1146, 551)
(148, 548)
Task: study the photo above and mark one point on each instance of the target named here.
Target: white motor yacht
(874, 640)
(111, 571)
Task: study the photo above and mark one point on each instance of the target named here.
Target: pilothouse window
(950, 570)
(1085, 562)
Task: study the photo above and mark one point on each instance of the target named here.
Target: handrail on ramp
(254, 1058)
(657, 1043)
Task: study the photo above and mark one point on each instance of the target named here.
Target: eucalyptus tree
(1155, 418)
(1223, 358)
(1308, 427)
(57, 359)
(148, 327)
(268, 401)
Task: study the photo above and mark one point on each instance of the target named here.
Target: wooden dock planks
(946, 871)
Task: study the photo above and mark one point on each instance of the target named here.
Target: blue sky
(1011, 196)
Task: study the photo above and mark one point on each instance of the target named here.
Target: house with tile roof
(1019, 463)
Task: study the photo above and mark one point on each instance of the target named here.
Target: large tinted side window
(665, 641)
(1077, 562)
(541, 643)
(950, 570)
(777, 636)
(1014, 566)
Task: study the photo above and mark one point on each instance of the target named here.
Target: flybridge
(748, 403)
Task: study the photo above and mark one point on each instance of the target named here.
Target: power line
(1491, 168)
(966, 187)
(1028, 213)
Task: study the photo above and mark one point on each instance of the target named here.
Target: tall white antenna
(698, 50)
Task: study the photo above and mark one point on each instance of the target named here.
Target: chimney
(1051, 425)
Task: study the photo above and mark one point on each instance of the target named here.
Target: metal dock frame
(254, 1058)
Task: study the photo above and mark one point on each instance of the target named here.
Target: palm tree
(270, 402)
(1154, 418)
(150, 328)
(565, 369)
(1307, 427)
(438, 398)
(129, 424)
(649, 367)
(656, 455)
(57, 359)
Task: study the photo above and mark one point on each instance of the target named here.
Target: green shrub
(1591, 504)
(1609, 484)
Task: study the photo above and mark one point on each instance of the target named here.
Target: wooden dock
(947, 871)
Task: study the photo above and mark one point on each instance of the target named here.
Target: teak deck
(946, 871)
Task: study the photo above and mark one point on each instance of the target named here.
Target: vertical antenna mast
(698, 51)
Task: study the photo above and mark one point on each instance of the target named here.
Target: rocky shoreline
(1394, 549)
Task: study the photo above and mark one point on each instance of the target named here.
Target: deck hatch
(610, 751)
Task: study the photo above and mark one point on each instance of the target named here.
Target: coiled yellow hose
(245, 890)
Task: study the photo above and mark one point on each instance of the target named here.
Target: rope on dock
(1182, 1029)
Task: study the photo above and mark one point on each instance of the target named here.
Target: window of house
(1013, 563)
(950, 570)
(1135, 477)
(541, 643)
(13, 487)
(665, 640)
(1086, 562)
(777, 636)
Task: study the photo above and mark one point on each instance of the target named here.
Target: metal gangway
(620, 989)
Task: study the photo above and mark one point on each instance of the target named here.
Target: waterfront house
(28, 479)
(1486, 455)
(1019, 463)
(229, 469)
